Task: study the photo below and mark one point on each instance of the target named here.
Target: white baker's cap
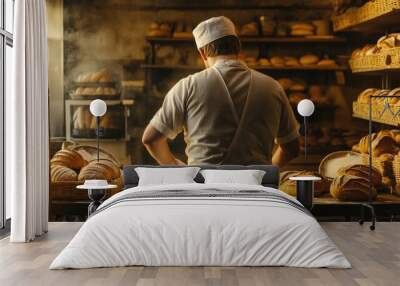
(213, 29)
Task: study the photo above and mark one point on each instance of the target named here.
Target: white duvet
(200, 231)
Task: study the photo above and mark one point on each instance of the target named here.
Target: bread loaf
(362, 171)
(388, 42)
(68, 158)
(286, 83)
(102, 170)
(302, 26)
(395, 133)
(82, 118)
(363, 97)
(250, 29)
(277, 61)
(264, 62)
(352, 188)
(355, 148)
(381, 144)
(384, 144)
(380, 100)
(309, 60)
(363, 145)
(326, 63)
(59, 173)
(298, 86)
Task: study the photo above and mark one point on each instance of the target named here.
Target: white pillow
(166, 176)
(248, 177)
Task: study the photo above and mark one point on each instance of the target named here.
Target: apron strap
(240, 121)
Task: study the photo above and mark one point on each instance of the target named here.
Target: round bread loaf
(309, 60)
(154, 26)
(264, 62)
(292, 62)
(286, 83)
(352, 188)
(326, 63)
(298, 87)
(103, 169)
(277, 61)
(302, 26)
(362, 171)
(68, 158)
(59, 173)
(301, 32)
(356, 53)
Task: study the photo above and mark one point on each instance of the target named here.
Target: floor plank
(375, 257)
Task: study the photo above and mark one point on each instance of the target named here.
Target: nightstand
(305, 189)
(96, 192)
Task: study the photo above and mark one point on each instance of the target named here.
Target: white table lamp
(305, 108)
(98, 108)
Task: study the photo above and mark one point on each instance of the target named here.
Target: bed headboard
(271, 177)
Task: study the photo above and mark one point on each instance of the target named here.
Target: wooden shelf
(374, 16)
(377, 120)
(257, 40)
(260, 68)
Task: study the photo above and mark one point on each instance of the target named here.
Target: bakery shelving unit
(374, 16)
(261, 42)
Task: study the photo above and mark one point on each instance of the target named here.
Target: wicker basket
(387, 59)
(362, 110)
(370, 10)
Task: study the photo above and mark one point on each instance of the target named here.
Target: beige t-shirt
(200, 106)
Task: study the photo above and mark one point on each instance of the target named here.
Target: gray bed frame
(270, 179)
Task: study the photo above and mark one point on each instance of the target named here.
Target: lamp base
(305, 193)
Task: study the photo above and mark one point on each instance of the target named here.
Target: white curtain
(27, 139)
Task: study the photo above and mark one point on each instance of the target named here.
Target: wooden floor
(375, 257)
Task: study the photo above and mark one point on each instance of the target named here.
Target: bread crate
(361, 110)
(369, 11)
(387, 59)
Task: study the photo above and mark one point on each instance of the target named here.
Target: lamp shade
(305, 107)
(98, 107)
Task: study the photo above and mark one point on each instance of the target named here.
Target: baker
(229, 113)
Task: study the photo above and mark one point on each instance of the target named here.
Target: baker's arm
(286, 152)
(157, 145)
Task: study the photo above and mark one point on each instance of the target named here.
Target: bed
(198, 224)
